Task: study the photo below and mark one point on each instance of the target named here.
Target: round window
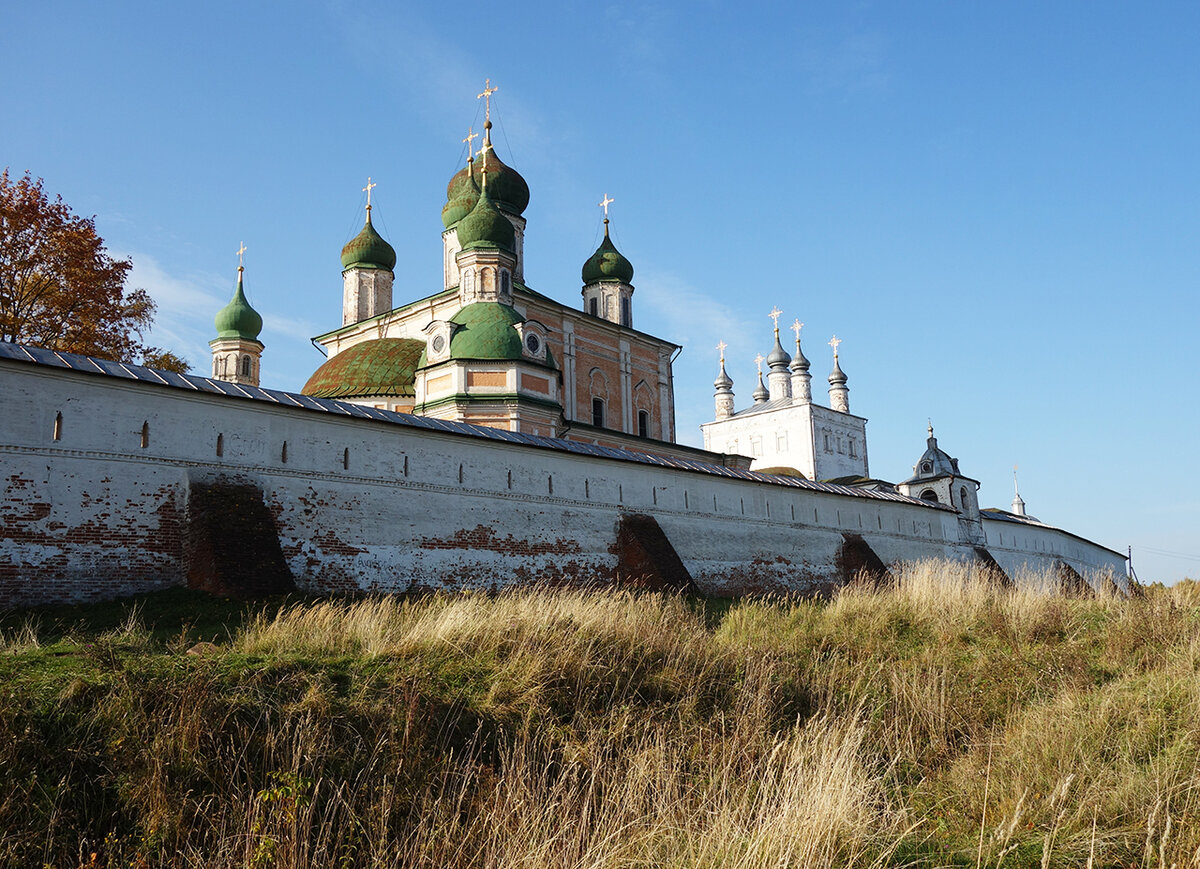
(439, 342)
(532, 343)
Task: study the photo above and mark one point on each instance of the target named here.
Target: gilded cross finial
(605, 202)
(758, 360)
(241, 251)
(370, 186)
(471, 136)
(930, 429)
(834, 342)
(775, 315)
(796, 327)
(486, 96)
(721, 349)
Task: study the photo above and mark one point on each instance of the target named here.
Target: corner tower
(236, 351)
(367, 272)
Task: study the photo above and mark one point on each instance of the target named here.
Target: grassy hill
(941, 723)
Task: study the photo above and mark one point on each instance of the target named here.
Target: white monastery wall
(360, 504)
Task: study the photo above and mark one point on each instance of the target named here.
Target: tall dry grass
(944, 721)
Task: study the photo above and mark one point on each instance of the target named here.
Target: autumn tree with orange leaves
(61, 290)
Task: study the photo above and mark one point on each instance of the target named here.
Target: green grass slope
(940, 723)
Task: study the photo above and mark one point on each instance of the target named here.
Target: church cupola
(724, 388)
(936, 477)
(1018, 505)
(801, 379)
(236, 350)
(608, 280)
(367, 272)
(778, 377)
(839, 393)
(761, 394)
(486, 259)
(508, 191)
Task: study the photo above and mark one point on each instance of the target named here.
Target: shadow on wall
(232, 544)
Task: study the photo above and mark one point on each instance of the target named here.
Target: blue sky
(995, 206)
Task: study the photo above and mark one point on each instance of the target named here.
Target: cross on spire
(241, 251)
(796, 327)
(774, 315)
(604, 203)
(834, 342)
(471, 135)
(758, 360)
(486, 96)
(721, 349)
(370, 186)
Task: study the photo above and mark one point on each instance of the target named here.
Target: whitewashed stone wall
(359, 504)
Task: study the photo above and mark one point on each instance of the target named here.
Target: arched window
(643, 424)
(593, 306)
(58, 426)
(598, 412)
(626, 317)
(245, 366)
(505, 286)
(220, 445)
(929, 495)
(962, 497)
(145, 434)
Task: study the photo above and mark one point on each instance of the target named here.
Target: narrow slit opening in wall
(460, 477)
(685, 499)
(620, 493)
(768, 509)
(346, 459)
(283, 453)
(743, 500)
(220, 445)
(58, 426)
(145, 434)
(510, 479)
(406, 466)
(587, 488)
(815, 517)
(714, 503)
(550, 484)
(793, 512)
(880, 518)
(654, 494)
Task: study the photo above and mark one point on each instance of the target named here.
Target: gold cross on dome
(486, 96)
(834, 342)
(775, 315)
(721, 349)
(368, 189)
(605, 202)
(796, 327)
(758, 360)
(241, 251)
(471, 136)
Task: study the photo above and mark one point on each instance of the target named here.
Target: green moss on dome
(383, 366)
(461, 197)
(368, 250)
(505, 185)
(485, 226)
(238, 319)
(607, 264)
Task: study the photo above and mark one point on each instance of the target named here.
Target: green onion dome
(607, 263)
(382, 366)
(368, 250)
(486, 331)
(461, 196)
(505, 185)
(485, 226)
(238, 319)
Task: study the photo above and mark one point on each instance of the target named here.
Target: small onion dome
(761, 393)
(238, 319)
(778, 358)
(485, 226)
(505, 185)
(723, 383)
(837, 376)
(799, 361)
(368, 250)
(607, 263)
(461, 196)
(381, 366)
(486, 331)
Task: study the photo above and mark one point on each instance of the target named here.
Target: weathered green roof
(238, 319)
(368, 250)
(607, 263)
(505, 185)
(382, 366)
(485, 226)
(486, 332)
(461, 196)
